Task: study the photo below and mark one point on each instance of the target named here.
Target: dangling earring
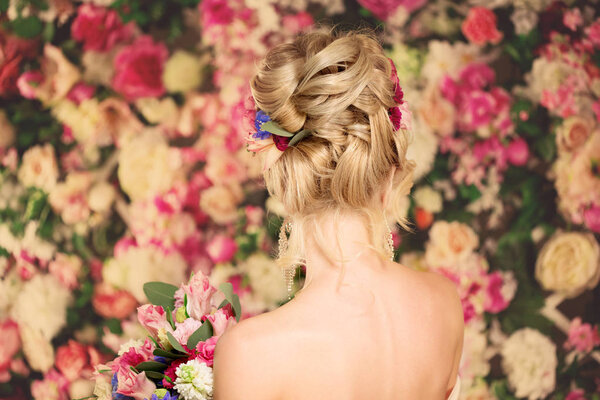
(289, 272)
(389, 242)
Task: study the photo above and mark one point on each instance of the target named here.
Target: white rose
(423, 148)
(81, 388)
(524, 19)
(101, 197)
(574, 132)
(529, 360)
(569, 263)
(450, 244)
(428, 199)
(148, 166)
(39, 167)
(138, 265)
(37, 348)
(182, 72)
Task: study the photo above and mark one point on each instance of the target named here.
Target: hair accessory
(272, 138)
(289, 272)
(389, 242)
(394, 112)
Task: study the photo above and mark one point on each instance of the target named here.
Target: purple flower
(261, 118)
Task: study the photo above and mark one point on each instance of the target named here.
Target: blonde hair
(339, 86)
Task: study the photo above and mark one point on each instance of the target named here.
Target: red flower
(480, 26)
(99, 28)
(71, 359)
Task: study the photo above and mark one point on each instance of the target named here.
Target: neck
(348, 245)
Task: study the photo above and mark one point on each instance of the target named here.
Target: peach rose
(71, 359)
(112, 303)
(573, 133)
(437, 112)
(220, 202)
(450, 245)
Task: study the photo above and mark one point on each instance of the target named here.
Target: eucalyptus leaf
(176, 345)
(168, 354)
(232, 298)
(299, 136)
(27, 27)
(154, 375)
(274, 128)
(151, 366)
(160, 294)
(200, 335)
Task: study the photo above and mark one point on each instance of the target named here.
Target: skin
(387, 332)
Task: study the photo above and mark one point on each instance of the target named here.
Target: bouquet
(175, 360)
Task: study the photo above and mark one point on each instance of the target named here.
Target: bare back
(399, 336)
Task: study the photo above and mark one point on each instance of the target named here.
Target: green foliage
(501, 390)
(231, 298)
(27, 27)
(200, 335)
(176, 345)
(160, 294)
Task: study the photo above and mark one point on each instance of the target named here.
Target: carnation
(194, 380)
(529, 360)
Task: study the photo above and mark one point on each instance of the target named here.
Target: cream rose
(183, 72)
(573, 132)
(37, 348)
(437, 112)
(450, 244)
(39, 167)
(529, 360)
(428, 199)
(569, 263)
(220, 202)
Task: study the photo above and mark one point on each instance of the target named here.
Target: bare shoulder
(245, 362)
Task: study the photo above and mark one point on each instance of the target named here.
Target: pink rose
(99, 28)
(53, 387)
(134, 385)
(221, 320)
(184, 329)
(27, 81)
(134, 355)
(495, 301)
(574, 132)
(480, 26)
(591, 216)
(71, 359)
(139, 68)
(572, 19)
(518, 152)
(582, 337)
(199, 292)
(153, 318)
(477, 76)
(593, 33)
(67, 269)
(215, 12)
(10, 343)
(382, 9)
(576, 394)
(298, 22)
(112, 303)
(81, 91)
(221, 248)
(122, 245)
(206, 350)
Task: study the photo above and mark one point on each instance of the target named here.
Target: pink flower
(134, 385)
(518, 152)
(596, 109)
(480, 26)
(382, 9)
(221, 248)
(10, 343)
(298, 22)
(477, 76)
(81, 91)
(495, 301)
(221, 320)
(27, 81)
(153, 318)
(112, 303)
(139, 68)
(582, 337)
(206, 350)
(215, 12)
(576, 394)
(99, 28)
(591, 216)
(199, 292)
(67, 269)
(593, 33)
(476, 111)
(134, 356)
(572, 19)
(122, 245)
(53, 387)
(71, 359)
(184, 329)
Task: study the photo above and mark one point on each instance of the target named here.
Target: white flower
(39, 167)
(428, 199)
(30, 242)
(450, 245)
(524, 19)
(148, 166)
(138, 265)
(194, 381)
(42, 305)
(266, 278)
(10, 286)
(422, 148)
(529, 360)
(474, 362)
(569, 263)
(159, 111)
(444, 58)
(37, 348)
(101, 197)
(182, 72)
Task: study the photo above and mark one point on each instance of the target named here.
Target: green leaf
(546, 147)
(232, 298)
(176, 345)
(169, 314)
(168, 354)
(154, 375)
(274, 128)
(35, 203)
(299, 136)
(160, 293)
(27, 27)
(4, 5)
(151, 366)
(203, 333)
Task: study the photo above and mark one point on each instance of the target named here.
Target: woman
(362, 327)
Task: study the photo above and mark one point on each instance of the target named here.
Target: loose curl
(339, 86)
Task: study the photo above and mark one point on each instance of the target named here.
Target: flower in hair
(395, 113)
(272, 138)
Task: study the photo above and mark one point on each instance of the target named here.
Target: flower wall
(123, 161)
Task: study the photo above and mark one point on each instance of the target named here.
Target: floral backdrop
(123, 161)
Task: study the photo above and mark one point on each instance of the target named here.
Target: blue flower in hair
(261, 118)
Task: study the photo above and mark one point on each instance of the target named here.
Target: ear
(387, 190)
